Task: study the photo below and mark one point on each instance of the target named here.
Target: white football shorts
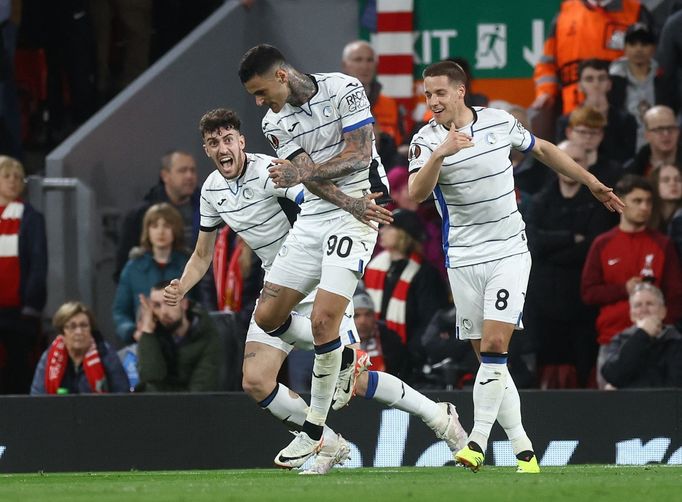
(314, 251)
(495, 291)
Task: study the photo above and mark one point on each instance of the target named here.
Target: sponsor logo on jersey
(356, 100)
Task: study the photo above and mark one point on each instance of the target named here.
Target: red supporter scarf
(58, 360)
(227, 273)
(375, 278)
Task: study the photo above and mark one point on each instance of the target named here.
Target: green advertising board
(500, 38)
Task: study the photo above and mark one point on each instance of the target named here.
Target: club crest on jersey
(247, 193)
(491, 138)
(467, 324)
(415, 152)
(274, 141)
(283, 251)
(327, 111)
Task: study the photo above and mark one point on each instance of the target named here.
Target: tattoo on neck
(301, 86)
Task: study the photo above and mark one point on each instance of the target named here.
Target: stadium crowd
(604, 301)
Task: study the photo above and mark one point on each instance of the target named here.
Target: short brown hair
(588, 117)
(449, 69)
(69, 310)
(220, 118)
(171, 216)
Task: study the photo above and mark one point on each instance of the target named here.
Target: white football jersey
(339, 105)
(475, 191)
(249, 206)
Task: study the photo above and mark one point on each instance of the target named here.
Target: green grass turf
(584, 483)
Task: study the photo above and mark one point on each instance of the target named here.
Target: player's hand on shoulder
(454, 142)
(172, 294)
(284, 173)
(369, 212)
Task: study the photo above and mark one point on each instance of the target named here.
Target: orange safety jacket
(385, 112)
(581, 31)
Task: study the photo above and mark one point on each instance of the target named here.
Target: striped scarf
(10, 225)
(58, 360)
(375, 278)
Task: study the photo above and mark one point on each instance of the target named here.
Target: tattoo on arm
(328, 191)
(356, 155)
(269, 291)
(249, 355)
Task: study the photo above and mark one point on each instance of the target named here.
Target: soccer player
(240, 193)
(321, 127)
(462, 156)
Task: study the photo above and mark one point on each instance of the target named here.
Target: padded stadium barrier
(225, 431)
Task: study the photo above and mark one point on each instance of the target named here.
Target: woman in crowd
(79, 361)
(159, 257)
(667, 181)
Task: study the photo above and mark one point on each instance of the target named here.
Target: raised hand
(454, 142)
(172, 294)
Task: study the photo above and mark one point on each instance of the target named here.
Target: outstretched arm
(355, 156)
(550, 155)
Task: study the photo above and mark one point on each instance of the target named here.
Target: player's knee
(266, 319)
(493, 343)
(324, 322)
(257, 386)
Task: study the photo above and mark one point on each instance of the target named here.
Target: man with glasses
(663, 135)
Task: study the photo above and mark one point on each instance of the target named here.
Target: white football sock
(290, 410)
(489, 388)
(395, 393)
(509, 417)
(326, 369)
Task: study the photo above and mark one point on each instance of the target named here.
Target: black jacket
(32, 259)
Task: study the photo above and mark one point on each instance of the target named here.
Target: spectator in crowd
(368, 329)
(562, 221)
(359, 60)
(625, 256)
(23, 278)
(620, 129)
(160, 256)
(10, 121)
(406, 290)
(581, 30)
(669, 56)
(663, 134)
(179, 349)
(649, 353)
(178, 187)
(134, 31)
(636, 81)
(667, 183)
(78, 361)
(586, 129)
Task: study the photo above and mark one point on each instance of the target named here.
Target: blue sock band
(282, 329)
(329, 346)
(372, 382)
(494, 357)
(265, 402)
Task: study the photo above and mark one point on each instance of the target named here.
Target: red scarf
(375, 278)
(58, 360)
(227, 272)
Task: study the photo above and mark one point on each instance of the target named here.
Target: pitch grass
(584, 483)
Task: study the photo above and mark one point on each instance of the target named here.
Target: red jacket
(615, 257)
